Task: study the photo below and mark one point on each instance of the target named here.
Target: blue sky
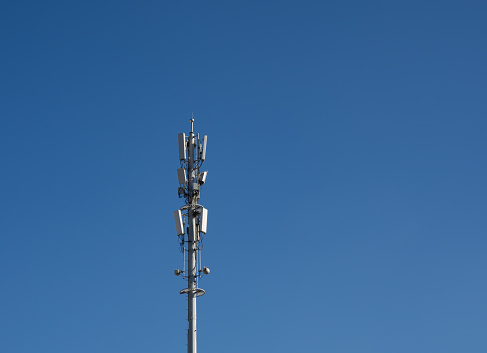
(346, 186)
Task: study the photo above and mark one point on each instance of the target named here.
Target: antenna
(192, 153)
(182, 146)
(203, 149)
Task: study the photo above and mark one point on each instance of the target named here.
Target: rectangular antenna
(203, 149)
(179, 222)
(182, 176)
(204, 219)
(182, 146)
(203, 178)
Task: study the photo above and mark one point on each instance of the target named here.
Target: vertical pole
(192, 239)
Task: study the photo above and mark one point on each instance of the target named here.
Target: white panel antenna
(182, 146)
(179, 222)
(202, 178)
(203, 149)
(203, 220)
(182, 179)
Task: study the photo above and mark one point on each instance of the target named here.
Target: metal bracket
(199, 291)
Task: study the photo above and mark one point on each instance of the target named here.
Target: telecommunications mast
(191, 222)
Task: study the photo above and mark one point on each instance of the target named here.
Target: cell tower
(191, 220)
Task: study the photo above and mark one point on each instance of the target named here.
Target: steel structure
(191, 222)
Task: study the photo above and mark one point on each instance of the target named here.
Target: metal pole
(192, 242)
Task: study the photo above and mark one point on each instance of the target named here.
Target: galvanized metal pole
(192, 240)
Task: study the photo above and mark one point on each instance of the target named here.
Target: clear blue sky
(346, 188)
